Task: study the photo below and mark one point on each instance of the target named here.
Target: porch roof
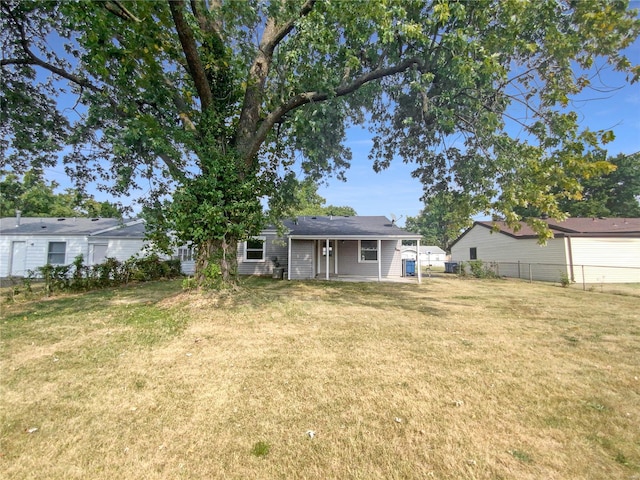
(347, 228)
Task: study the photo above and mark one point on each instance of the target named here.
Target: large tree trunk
(217, 263)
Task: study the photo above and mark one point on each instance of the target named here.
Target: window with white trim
(368, 251)
(57, 253)
(186, 254)
(254, 249)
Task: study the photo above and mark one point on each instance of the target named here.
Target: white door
(18, 259)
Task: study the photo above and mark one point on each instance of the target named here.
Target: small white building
(589, 250)
(429, 255)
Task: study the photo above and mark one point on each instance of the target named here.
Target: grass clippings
(448, 379)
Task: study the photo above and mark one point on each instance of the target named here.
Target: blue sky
(394, 191)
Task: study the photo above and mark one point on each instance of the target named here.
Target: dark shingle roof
(576, 227)
(336, 227)
(71, 226)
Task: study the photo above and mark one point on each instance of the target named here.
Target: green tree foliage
(444, 216)
(307, 201)
(35, 197)
(613, 194)
(215, 102)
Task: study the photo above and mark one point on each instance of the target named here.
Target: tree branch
(309, 97)
(187, 40)
(249, 116)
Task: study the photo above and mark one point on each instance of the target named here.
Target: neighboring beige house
(590, 250)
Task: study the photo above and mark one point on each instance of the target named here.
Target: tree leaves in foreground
(217, 105)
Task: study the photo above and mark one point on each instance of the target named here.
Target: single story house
(328, 247)
(429, 254)
(311, 247)
(30, 242)
(584, 250)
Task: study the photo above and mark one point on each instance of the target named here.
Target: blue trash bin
(409, 267)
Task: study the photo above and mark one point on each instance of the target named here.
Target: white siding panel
(606, 260)
(122, 249)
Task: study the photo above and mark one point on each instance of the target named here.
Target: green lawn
(454, 378)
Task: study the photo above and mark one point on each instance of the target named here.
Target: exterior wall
(391, 259)
(606, 260)
(302, 259)
(274, 247)
(498, 247)
(37, 248)
(304, 263)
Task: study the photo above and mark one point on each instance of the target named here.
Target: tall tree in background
(444, 216)
(33, 196)
(307, 201)
(613, 194)
(218, 103)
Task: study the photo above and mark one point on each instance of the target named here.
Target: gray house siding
(302, 259)
(274, 247)
(391, 261)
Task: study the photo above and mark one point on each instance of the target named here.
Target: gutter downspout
(289, 259)
(570, 255)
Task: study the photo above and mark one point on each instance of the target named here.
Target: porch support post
(379, 260)
(289, 259)
(335, 257)
(327, 259)
(418, 265)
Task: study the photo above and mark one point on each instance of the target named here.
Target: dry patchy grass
(449, 379)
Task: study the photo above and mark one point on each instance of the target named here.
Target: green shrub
(480, 270)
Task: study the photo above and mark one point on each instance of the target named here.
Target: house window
(368, 251)
(473, 253)
(186, 254)
(57, 253)
(254, 249)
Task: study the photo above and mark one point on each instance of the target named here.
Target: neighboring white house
(590, 250)
(429, 255)
(368, 247)
(28, 243)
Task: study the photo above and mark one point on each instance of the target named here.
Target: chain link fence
(588, 277)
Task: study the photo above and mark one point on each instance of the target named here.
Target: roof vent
(95, 219)
(61, 219)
